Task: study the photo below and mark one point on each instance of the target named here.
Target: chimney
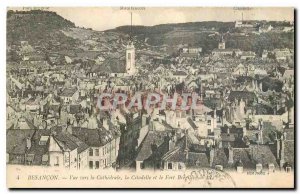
(211, 156)
(186, 150)
(64, 128)
(282, 148)
(253, 84)
(105, 124)
(260, 86)
(144, 120)
(278, 148)
(215, 119)
(28, 143)
(220, 144)
(172, 143)
(230, 155)
(69, 129)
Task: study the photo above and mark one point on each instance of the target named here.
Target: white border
(96, 3)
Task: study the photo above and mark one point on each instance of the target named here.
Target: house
(179, 75)
(147, 154)
(191, 52)
(69, 95)
(62, 151)
(248, 55)
(183, 154)
(265, 54)
(282, 54)
(240, 70)
(18, 142)
(257, 158)
(226, 52)
(103, 146)
(288, 76)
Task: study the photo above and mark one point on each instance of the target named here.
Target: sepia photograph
(150, 97)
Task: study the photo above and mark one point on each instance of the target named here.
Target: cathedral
(130, 59)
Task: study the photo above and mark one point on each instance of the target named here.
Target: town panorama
(239, 75)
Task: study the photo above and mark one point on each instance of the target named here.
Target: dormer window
(43, 140)
(239, 167)
(259, 167)
(208, 122)
(271, 167)
(219, 167)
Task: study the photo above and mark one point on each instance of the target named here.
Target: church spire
(130, 53)
(130, 35)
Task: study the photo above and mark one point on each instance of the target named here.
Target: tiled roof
(68, 92)
(75, 108)
(179, 73)
(81, 145)
(262, 154)
(197, 159)
(242, 95)
(242, 154)
(16, 140)
(65, 142)
(153, 137)
(111, 65)
(95, 137)
(289, 152)
(220, 157)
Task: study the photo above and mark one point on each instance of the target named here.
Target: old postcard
(142, 97)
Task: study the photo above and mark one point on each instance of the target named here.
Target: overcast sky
(107, 18)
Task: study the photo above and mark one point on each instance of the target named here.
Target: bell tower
(130, 58)
(130, 54)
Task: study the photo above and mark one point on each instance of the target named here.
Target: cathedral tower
(130, 58)
(130, 54)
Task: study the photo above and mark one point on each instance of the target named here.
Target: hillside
(51, 32)
(208, 34)
(39, 28)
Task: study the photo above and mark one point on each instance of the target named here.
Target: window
(43, 140)
(258, 167)
(239, 169)
(208, 122)
(170, 165)
(141, 165)
(97, 164)
(271, 167)
(288, 169)
(183, 114)
(91, 152)
(129, 56)
(179, 166)
(97, 152)
(56, 161)
(91, 164)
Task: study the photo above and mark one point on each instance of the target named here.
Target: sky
(104, 18)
